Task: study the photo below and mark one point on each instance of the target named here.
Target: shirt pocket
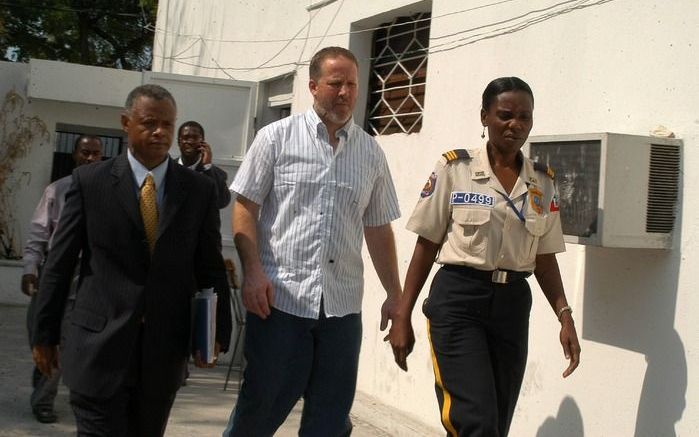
(88, 320)
(536, 227)
(471, 225)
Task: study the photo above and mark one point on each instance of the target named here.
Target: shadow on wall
(568, 422)
(630, 300)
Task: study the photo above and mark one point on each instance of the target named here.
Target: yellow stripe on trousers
(446, 405)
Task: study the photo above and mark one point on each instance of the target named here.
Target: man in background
(195, 153)
(87, 149)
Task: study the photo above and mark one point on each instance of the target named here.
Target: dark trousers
(289, 357)
(478, 332)
(128, 413)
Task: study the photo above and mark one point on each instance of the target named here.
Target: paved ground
(201, 408)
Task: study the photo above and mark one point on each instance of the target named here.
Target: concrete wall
(610, 65)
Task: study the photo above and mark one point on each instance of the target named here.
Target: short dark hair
(502, 85)
(191, 123)
(85, 137)
(325, 53)
(149, 90)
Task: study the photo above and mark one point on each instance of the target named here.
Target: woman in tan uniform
(490, 217)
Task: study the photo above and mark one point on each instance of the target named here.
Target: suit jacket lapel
(175, 193)
(125, 189)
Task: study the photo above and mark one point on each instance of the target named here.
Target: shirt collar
(314, 120)
(193, 166)
(481, 169)
(140, 171)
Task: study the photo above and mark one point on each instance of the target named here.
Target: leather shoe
(45, 414)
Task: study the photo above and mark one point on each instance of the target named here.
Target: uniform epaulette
(538, 166)
(455, 154)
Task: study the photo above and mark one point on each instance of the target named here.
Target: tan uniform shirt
(462, 208)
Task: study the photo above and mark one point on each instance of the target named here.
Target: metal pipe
(318, 5)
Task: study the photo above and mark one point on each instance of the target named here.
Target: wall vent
(662, 187)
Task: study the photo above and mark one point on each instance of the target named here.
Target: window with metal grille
(398, 75)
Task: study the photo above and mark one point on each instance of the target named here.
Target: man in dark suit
(143, 255)
(195, 153)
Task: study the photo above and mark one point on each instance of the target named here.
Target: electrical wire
(305, 42)
(213, 58)
(327, 29)
(514, 26)
(352, 32)
(288, 42)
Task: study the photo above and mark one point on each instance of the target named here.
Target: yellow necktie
(149, 211)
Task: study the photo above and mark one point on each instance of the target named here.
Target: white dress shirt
(315, 202)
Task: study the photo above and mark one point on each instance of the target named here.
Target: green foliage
(107, 33)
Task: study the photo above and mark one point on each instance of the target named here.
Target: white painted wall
(619, 66)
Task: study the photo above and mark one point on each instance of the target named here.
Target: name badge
(462, 198)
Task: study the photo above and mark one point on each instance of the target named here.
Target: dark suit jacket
(123, 292)
(223, 194)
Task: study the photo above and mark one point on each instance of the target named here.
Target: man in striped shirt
(308, 187)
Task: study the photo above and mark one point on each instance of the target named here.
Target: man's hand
(205, 151)
(45, 358)
(401, 338)
(203, 364)
(388, 309)
(569, 341)
(258, 293)
(29, 284)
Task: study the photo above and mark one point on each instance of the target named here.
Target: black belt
(496, 276)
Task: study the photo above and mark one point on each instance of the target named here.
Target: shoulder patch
(543, 168)
(455, 154)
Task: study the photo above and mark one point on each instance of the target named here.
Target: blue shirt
(140, 172)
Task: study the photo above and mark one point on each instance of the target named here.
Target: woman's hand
(569, 341)
(549, 277)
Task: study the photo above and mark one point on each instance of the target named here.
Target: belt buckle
(499, 277)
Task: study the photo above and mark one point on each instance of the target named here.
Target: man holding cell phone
(195, 153)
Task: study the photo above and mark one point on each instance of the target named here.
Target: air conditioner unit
(615, 190)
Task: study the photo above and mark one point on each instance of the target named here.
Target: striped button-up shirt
(315, 203)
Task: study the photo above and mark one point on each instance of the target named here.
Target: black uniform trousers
(478, 332)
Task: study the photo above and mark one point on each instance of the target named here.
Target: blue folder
(205, 324)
